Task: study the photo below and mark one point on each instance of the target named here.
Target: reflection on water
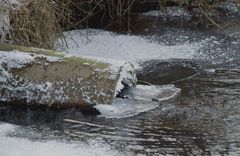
(203, 120)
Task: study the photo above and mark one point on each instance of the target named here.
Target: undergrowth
(39, 23)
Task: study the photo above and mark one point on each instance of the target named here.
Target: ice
(10, 145)
(169, 12)
(131, 48)
(122, 108)
(140, 99)
(126, 77)
(153, 93)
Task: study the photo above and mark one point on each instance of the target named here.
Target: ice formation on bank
(105, 44)
(134, 49)
(139, 99)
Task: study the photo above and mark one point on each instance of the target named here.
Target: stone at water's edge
(32, 76)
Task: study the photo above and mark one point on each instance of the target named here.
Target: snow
(5, 7)
(45, 92)
(17, 59)
(126, 78)
(232, 5)
(11, 145)
(140, 99)
(169, 12)
(134, 49)
(121, 70)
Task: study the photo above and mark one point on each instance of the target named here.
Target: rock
(32, 76)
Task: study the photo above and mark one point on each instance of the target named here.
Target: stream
(198, 112)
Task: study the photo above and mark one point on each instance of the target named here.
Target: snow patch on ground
(140, 99)
(14, 146)
(15, 59)
(134, 49)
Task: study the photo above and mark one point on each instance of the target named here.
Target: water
(202, 119)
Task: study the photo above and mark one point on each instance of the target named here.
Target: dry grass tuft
(37, 23)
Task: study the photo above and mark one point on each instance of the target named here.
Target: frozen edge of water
(130, 48)
(143, 102)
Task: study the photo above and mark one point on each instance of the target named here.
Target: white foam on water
(13, 146)
(140, 100)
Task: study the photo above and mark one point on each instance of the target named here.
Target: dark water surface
(203, 120)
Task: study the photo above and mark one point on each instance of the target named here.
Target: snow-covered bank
(14, 146)
(31, 76)
(99, 43)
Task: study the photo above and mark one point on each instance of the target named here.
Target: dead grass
(37, 23)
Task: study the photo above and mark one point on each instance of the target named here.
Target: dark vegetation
(40, 22)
